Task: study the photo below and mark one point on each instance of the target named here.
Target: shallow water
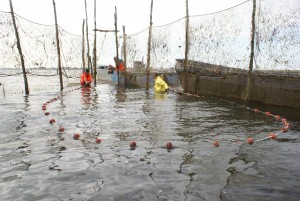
(36, 164)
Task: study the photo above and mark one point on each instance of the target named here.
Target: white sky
(134, 14)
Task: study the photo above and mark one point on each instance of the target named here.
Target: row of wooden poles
(124, 46)
(187, 42)
(89, 62)
(20, 49)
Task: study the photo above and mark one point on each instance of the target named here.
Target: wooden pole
(90, 62)
(248, 92)
(124, 53)
(58, 49)
(87, 38)
(149, 48)
(95, 49)
(117, 45)
(19, 49)
(83, 50)
(187, 41)
(124, 47)
(103, 30)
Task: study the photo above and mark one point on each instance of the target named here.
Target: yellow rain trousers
(160, 85)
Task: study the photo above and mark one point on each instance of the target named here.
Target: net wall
(70, 48)
(106, 48)
(8, 42)
(39, 46)
(277, 35)
(222, 38)
(136, 47)
(39, 49)
(167, 44)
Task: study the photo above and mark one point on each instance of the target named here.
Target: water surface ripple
(35, 164)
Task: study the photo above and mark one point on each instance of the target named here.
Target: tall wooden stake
(87, 38)
(124, 53)
(19, 48)
(117, 45)
(187, 42)
(83, 50)
(58, 49)
(124, 47)
(248, 92)
(149, 48)
(95, 49)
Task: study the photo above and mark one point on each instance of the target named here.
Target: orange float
(250, 140)
(132, 145)
(273, 136)
(216, 144)
(61, 129)
(169, 145)
(76, 136)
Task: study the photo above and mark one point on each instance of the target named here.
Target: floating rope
(52, 121)
(169, 145)
(250, 140)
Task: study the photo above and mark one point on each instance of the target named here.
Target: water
(36, 164)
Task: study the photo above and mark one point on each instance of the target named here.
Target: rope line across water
(169, 145)
(250, 140)
(52, 121)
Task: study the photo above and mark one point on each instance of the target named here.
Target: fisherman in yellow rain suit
(160, 85)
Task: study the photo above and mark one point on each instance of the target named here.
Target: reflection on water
(86, 95)
(159, 96)
(36, 164)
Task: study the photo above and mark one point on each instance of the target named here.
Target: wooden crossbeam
(103, 30)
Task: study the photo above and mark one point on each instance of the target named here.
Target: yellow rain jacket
(160, 85)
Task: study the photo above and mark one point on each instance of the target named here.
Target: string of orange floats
(251, 140)
(52, 121)
(169, 145)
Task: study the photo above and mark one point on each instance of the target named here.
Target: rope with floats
(169, 145)
(52, 121)
(250, 140)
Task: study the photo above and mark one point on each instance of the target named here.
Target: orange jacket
(120, 67)
(85, 78)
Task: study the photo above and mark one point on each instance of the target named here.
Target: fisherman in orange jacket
(86, 78)
(120, 66)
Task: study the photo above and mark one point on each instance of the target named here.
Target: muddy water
(36, 164)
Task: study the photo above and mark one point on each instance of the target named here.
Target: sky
(133, 14)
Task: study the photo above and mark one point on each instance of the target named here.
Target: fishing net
(224, 39)
(167, 44)
(221, 39)
(8, 43)
(106, 48)
(277, 41)
(136, 48)
(39, 46)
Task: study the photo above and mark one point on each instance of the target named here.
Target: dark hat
(87, 70)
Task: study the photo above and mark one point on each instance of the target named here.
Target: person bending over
(121, 66)
(160, 85)
(86, 78)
